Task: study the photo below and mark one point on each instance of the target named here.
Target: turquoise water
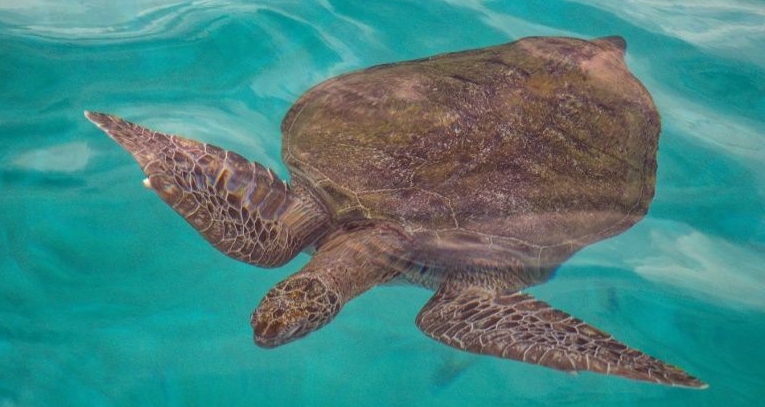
(107, 298)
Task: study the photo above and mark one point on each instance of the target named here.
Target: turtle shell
(523, 152)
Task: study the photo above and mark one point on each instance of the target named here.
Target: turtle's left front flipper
(240, 207)
(518, 326)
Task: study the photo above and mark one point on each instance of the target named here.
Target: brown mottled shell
(526, 151)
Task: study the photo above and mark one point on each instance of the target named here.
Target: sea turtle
(474, 174)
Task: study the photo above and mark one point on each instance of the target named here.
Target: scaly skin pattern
(517, 326)
(240, 207)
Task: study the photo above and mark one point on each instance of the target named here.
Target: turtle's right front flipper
(518, 326)
(240, 207)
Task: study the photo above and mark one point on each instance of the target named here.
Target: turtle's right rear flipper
(518, 326)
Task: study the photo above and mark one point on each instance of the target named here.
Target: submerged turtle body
(474, 174)
(532, 149)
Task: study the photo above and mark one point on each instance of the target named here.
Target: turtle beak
(273, 327)
(270, 333)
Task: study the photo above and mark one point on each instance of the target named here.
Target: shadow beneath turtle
(450, 369)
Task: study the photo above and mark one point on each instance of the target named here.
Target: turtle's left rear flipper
(518, 326)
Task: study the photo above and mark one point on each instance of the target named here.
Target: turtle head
(293, 309)
(346, 264)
